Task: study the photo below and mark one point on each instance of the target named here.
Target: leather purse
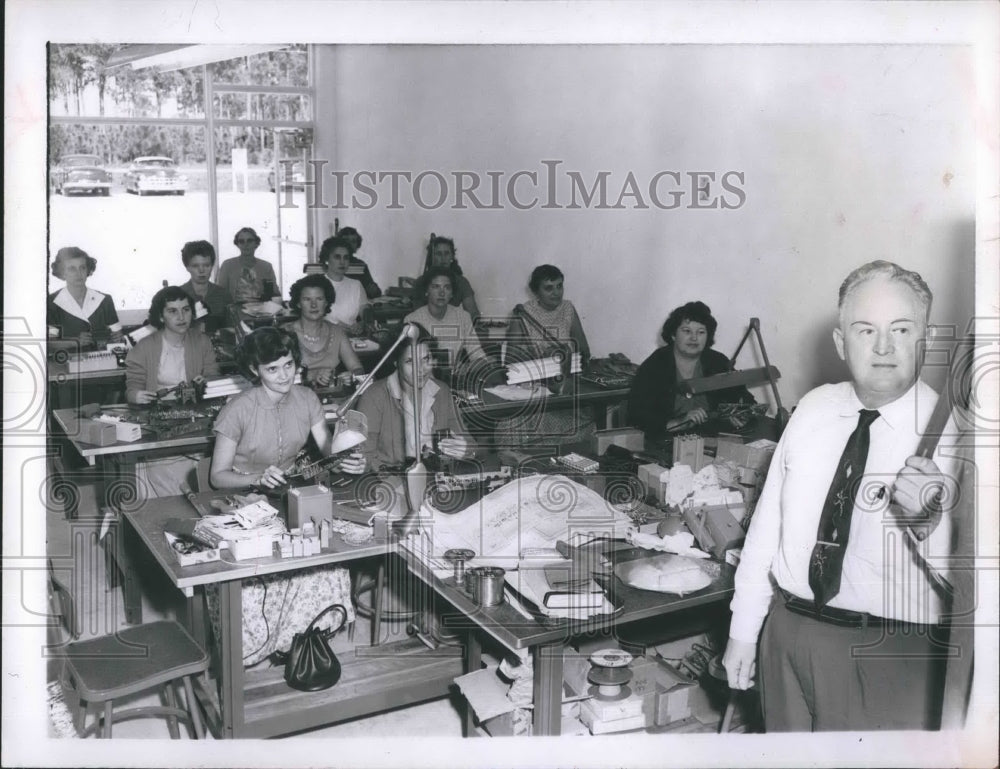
(310, 664)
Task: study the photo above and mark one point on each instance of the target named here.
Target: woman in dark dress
(77, 312)
(656, 405)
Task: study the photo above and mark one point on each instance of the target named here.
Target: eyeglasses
(240, 241)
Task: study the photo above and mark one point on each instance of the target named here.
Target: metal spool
(457, 557)
(610, 674)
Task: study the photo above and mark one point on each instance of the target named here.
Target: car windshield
(80, 160)
(155, 163)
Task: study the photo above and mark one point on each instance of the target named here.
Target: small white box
(260, 546)
(127, 432)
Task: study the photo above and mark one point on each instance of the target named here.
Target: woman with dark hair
(350, 298)
(451, 326)
(246, 277)
(549, 311)
(198, 257)
(177, 352)
(546, 325)
(324, 346)
(77, 312)
(655, 404)
(357, 268)
(257, 435)
(259, 432)
(441, 253)
(388, 407)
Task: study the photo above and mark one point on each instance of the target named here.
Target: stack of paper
(223, 386)
(518, 392)
(540, 368)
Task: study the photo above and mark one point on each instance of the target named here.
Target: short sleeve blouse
(268, 433)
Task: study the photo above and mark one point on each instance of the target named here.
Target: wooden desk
(258, 703)
(546, 637)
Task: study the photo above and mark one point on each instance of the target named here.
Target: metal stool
(374, 611)
(101, 670)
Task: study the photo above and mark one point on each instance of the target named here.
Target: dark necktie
(827, 560)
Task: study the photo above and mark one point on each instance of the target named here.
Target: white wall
(850, 153)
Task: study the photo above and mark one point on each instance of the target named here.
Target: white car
(148, 175)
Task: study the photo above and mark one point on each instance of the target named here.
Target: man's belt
(840, 617)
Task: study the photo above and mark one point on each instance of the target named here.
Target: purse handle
(331, 607)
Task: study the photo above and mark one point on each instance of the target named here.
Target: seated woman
(549, 311)
(388, 407)
(199, 259)
(358, 269)
(324, 346)
(544, 326)
(257, 436)
(175, 353)
(351, 300)
(246, 277)
(441, 253)
(451, 326)
(76, 313)
(655, 406)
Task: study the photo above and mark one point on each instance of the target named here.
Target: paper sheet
(531, 512)
(516, 393)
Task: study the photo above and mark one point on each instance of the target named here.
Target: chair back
(61, 601)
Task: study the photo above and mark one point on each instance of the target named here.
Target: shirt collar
(429, 390)
(265, 402)
(896, 413)
(90, 303)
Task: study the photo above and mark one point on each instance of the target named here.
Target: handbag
(310, 664)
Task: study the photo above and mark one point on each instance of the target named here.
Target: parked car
(81, 173)
(149, 175)
(292, 176)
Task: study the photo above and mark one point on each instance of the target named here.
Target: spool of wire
(610, 674)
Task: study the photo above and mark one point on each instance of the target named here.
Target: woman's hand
(696, 417)
(355, 329)
(738, 422)
(116, 337)
(456, 447)
(86, 339)
(143, 397)
(354, 464)
(322, 378)
(272, 477)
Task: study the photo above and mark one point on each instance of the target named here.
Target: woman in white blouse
(451, 326)
(335, 256)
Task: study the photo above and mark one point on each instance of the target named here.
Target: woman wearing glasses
(246, 277)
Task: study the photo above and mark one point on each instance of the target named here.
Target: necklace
(312, 337)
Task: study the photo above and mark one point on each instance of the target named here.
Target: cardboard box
(96, 433)
(627, 437)
(690, 450)
(308, 502)
(206, 555)
(126, 432)
(652, 478)
(715, 528)
(260, 546)
(756, 455)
